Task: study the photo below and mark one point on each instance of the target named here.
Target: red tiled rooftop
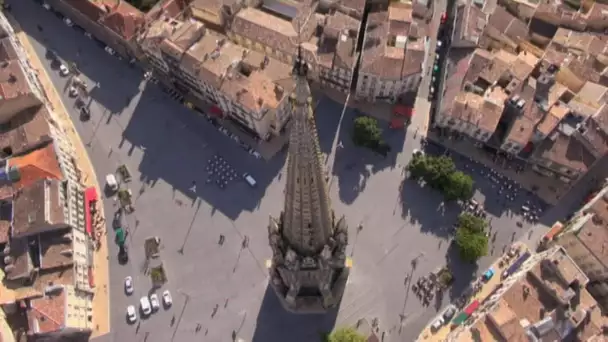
(47, 314)
(124, 19)
(36, 165)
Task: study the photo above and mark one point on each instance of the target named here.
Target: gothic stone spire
(308, 245)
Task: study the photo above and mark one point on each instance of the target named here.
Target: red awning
(216, 111)
(529, 147)
(91, 277)
(472, 307)
(90, 194)
(402, 110)
(397, 123)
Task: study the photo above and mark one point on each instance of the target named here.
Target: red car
(444, 18)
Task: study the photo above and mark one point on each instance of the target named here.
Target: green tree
(439, 171)
(471, 237)
(459, 186)
(345, 335)
(366, 132)
(471, 245)
(418, 167)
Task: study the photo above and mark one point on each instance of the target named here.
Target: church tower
(309, 268)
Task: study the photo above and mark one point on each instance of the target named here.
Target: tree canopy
(471, 237)
(367, 133)
(440, 173)
(345, 335)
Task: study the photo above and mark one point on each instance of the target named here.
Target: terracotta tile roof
(56, 249)
(494, 70)
(48, 314)
(37, 208)
(552, 119)
(567, 151)
(12, 80)
(389, 62)
(25, 130)
(523, 128)
(280, 34)
(456, 79)
(477, 111)
(168, 8)
(506, 322)
(36, 165)
(124, 19)
(470, 23)
(90, 9)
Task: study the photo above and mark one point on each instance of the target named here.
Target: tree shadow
(177, 146)
(354, 165)
(464, 272)
(426, 207)
(275, 324)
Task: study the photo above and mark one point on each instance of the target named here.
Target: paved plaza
(167, 148)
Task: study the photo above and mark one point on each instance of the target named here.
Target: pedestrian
(221, 241)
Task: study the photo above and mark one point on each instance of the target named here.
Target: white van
(250, 180)
(144, 303)
(111, 182)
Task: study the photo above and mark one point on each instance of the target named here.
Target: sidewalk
(101, 313)
(486, 290)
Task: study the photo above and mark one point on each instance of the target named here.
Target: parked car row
(147, 304)
(440, 52)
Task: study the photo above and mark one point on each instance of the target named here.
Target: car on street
(154, 302)
(68, 22)
(129, 285)
(417, 152)
(444, 18)
(131, 314)
(437, 324)
(449, 312)
(167, 300)
(144, 304)
(88, 35)
(46, 6)
(439, 45)
(63, 70)
(72, 91)
(109, 50)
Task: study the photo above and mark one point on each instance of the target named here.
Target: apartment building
(472, 106)
(113, 22)
(469, 23)
(587, 243)
(393, 55)
(244, 85)
(275, 29)
(577, 145)
(60, 314)
(334, 51)
(545, 301)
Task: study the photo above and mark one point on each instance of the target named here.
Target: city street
(223, 287)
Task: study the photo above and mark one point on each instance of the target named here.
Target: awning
(472, 307)
(404, 111)
(90, 194)
(216, 111)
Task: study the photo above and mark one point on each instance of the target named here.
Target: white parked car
(131, 314)
(109, 50)
(154, 302)
(167, 300)
(46, 6)
(72, 91)
(256, 154)
(417, 152)
(68, 22)
(88, 35)
(63, 70)
(144, 304)
(129, 285)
